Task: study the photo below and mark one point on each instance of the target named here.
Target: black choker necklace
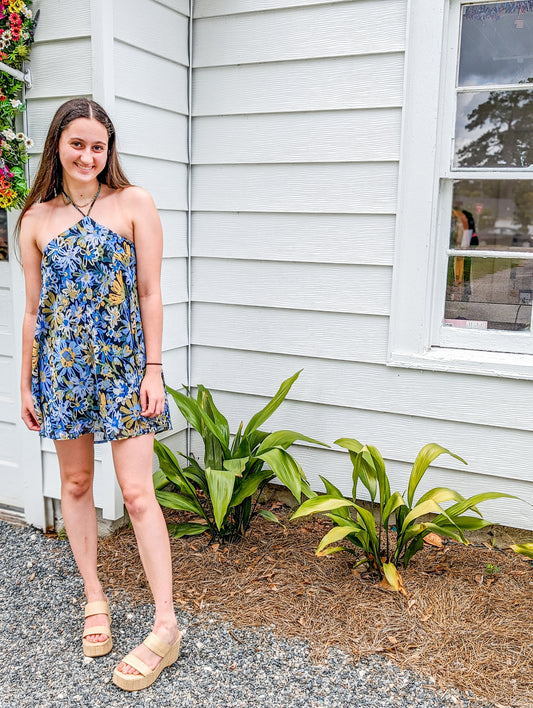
(80, 206)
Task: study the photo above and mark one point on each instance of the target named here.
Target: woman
(91, 247)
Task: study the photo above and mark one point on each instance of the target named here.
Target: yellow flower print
(103, 404)
(117, 292)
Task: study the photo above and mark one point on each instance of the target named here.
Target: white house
(313, 161)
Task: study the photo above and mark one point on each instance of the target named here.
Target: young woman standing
(91, 247)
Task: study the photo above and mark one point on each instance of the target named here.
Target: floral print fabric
(88, 353)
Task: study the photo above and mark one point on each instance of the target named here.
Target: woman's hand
(28, 412)
(152, 396)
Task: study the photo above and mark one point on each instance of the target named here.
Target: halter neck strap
(70, 201)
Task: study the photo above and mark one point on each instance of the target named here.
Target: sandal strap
(100, 629)
(98, 607)
(157, 645)
(136, 663)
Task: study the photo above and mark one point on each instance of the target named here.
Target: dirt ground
(467, 618)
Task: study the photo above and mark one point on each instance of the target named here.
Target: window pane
(494, 215)
(496, 43)
(489, 293)
(494, 129)
(4, 256)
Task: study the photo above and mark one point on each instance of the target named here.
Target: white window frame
(420, 262)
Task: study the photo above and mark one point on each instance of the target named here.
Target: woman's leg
(76, 465)
(133, 465)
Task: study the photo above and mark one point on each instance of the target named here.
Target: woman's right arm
(31, 263)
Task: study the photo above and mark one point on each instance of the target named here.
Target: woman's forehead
(88, 129)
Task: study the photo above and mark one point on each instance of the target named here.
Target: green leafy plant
(399, 532)
(524, 549)
(224, 493)
(491, 569)
(17, 27)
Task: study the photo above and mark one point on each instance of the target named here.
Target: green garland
(17, 27)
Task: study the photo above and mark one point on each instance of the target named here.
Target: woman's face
(83, 149)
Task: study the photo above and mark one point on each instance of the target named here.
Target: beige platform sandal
(99, 607)
(146, 677)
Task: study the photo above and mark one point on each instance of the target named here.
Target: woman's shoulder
(35, 216)
(135, 197)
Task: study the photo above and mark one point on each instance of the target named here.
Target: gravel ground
(41, 600)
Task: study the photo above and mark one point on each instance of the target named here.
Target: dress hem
(159, 429)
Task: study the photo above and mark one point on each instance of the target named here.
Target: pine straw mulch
(457, 624)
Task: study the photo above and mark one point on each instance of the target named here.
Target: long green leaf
(249, 485)
(332, 490)
(394, 501)
(329, 551)
(307, 491)
(349, 444)
(286, 469)
(425, 457)
(333, 536)
(267, 514)
(264, 414)
(320, 504)
(381, 474)
(472, 502)
(364, 470)
(220, 484)
(173, 500)
(236, 465)
(208, 405)
(172, 469)
(428, 507)
(284, 439)
(187, 529)
(524, 549)
(441, 494)
(188, 407)
(392, 576)
(449, 531)
(159, 479)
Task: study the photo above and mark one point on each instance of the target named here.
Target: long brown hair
(48, 181)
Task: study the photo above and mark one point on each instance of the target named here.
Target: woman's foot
(97, 639)
(168, 633)
(96, 621)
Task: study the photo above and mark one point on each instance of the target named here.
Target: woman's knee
(138, 500)
(76, 483)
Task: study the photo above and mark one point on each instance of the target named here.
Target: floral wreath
(17, 28)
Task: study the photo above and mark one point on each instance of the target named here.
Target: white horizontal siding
(150, 132)
(328, 136)
(174, 232)
(181, 6)
(301, 33)
(152, 27)
(149, 79)
(166, 181)
(359, 384)
(302, 286)
(61, 69)
(60, 19)
(346, 188)
(312, 238)
(214, 8)
(328, 335)
(374, 81)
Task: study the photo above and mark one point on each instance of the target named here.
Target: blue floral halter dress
(88, 353)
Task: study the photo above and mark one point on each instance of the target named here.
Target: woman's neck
(80, 192)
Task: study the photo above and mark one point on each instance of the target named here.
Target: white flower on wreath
(26, 12)
(8, 134)
(25, 35)
(20, 136)
(15, 102)
(6, 36)
(29, 142)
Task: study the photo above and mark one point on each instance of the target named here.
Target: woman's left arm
(148, 237)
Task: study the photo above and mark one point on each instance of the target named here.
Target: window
(463, 280)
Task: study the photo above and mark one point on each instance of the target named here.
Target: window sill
(465, 361)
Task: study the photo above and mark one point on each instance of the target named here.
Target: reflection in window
(489, 293)
(4, 255)
(496, 43)
(494, 128)
(495, 215)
